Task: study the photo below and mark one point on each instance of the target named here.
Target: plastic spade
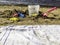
(49, 10)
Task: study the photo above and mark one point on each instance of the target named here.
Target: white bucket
(33, 10)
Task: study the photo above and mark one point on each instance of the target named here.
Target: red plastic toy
(50, 10)
(15, 15)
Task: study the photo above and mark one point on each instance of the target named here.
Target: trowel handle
(51, 9)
